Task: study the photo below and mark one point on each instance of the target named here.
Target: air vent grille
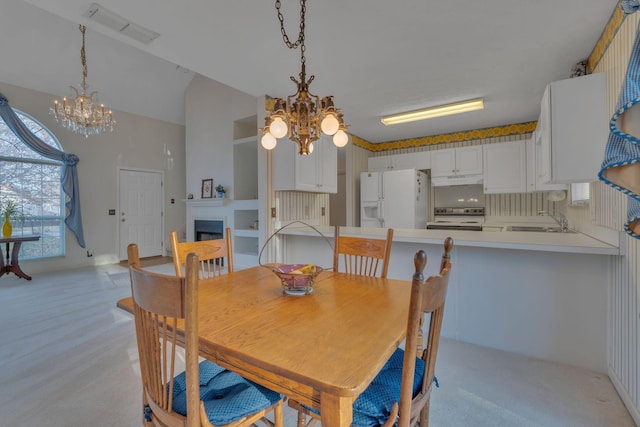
(119, 24)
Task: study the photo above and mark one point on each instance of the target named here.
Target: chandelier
(303, 116)
(82, 114)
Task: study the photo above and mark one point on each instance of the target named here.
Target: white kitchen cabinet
(504, 167)
(316, 173)
(419, 160)
(572, 130)
(457, 161)
(378, 164)
(534, 177)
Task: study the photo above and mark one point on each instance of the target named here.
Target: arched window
(33, 183)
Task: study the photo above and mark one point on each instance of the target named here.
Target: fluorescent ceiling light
(437, 111)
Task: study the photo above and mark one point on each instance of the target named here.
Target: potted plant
(10, 210)
(220, 191)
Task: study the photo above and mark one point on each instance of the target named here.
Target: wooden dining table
(321, 349)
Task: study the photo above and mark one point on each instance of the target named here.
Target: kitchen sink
(538, 228)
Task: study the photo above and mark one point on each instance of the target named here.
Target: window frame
(40, 160)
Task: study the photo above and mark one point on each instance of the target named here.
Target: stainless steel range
(457, 219)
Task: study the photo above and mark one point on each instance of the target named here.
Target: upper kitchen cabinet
(419, 160)
(534, 176)
(457, 161)
(572, 130)
(504, 166)
(317, 172)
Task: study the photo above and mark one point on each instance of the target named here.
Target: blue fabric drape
(630, 6)
(69, 177)
(623, 150)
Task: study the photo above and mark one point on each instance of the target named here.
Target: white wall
(210, 109)
(136, 142)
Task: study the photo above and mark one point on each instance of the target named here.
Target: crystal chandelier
(303, 115)
(82, 114)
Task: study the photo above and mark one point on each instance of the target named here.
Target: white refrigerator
(394, 199)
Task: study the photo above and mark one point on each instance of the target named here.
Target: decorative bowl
(295, 282)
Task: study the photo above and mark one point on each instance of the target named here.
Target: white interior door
(140, 214)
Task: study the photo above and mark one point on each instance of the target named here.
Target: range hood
(444, 181)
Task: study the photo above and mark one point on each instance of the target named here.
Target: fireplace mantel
(206, 202)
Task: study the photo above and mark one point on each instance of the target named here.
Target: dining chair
(211, 253)
(360, 255)
(204, 394)
(401, 391)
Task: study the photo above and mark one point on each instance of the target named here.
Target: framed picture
(207, 188)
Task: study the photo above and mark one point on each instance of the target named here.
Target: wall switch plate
(273, 212)
(112, 211)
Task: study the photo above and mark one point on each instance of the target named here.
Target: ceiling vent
(116, 22)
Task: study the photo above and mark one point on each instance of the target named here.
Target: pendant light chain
(285, 37)
(83, 58)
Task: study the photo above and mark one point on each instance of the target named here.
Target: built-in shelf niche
(245, 128)
(245, 245)
(245, 158)
(245, 191)
(246, 220)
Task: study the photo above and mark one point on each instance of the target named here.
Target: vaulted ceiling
(375, 56)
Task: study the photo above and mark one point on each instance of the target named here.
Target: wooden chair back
(427, 297)
(362, 256)
(215, 256)
(160, 302)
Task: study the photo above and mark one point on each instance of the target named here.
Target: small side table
(11, 265)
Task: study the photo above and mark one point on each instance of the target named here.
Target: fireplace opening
(208, 230)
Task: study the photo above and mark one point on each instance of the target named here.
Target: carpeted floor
(69, 358)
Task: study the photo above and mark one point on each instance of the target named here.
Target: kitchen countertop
(519, 240)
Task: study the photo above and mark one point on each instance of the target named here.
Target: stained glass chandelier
(82, 113)
(303, 116)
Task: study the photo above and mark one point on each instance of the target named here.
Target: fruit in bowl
(307, 269)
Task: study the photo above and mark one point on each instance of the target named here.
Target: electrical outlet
(89, 253)
(273, 212)
(112, 211)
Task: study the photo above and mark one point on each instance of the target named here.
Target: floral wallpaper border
(609, 32)
(506, 130)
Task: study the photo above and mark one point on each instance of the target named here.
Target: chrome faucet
(561, 220)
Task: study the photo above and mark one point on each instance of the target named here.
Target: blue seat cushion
(227, 396)
(373, 406)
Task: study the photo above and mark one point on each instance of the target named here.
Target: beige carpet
(68, 358)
